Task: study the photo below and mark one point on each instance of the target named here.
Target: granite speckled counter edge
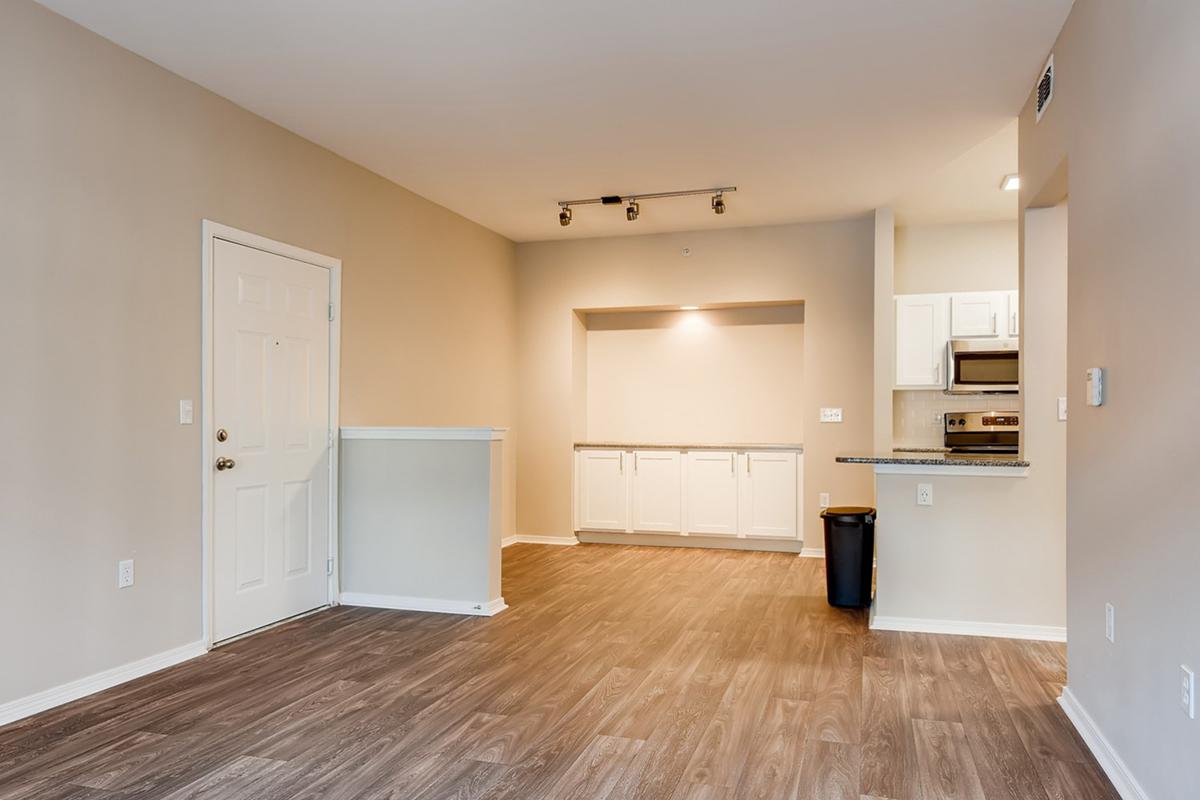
(911, 458)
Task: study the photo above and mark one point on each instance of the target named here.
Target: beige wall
(829, 266)
(109, 164)
(699, 376)
(1124, 125)
(962, 257)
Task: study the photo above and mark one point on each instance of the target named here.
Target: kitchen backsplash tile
(917, 415)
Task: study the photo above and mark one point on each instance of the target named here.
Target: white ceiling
(499, 108)
(968, 188)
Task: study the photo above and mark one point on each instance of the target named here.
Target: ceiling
(497, 109)
(968, 188)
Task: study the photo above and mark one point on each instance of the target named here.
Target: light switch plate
(1062, 409)
(824, 499)
(831, 415)
(185, 412)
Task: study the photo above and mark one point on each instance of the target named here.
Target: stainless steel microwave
(983, 365)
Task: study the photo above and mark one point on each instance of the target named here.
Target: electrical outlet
(924, 494)
(824, 499)
(125, 574)
(831, 415)
(1187, 691)
(1110, 622)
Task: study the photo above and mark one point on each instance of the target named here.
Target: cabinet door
(712, 492)
(922, 330)
(603, 490)
(657, 491)
(979, 314)
(768, 495)
(1014, 314)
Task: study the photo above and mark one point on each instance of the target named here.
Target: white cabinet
(742, 494)
(922, 330)
(712, 492)
(657, 491)
(767, 495)
(603, 490)
(1014, 313)
(979, 314)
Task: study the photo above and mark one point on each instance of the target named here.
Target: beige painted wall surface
(964, 257)
(1128, 137)
(696, 381)
(828, 265)
(108, 166)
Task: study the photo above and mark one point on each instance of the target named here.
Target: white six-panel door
(657, 491)
(270, 384)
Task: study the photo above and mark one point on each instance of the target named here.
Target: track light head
(564, 216)
(632, 211)
(718, 203)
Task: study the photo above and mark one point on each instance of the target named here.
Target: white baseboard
(1126, 785)
(65, 693)
(812, 552)
(566, 541)
(1003, 630)
(435, 605)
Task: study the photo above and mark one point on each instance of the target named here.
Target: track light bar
(632, 209)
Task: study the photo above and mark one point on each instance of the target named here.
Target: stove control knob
(950, 423)
(962, 422)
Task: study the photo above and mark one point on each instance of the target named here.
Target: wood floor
(618, 672)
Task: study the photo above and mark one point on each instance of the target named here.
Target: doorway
(270, 342)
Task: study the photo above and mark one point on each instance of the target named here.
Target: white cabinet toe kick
(744, 497)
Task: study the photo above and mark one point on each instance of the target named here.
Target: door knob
(224, 463)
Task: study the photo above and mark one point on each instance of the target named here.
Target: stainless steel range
(996, 432)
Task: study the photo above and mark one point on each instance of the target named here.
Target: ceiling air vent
(1045, 88)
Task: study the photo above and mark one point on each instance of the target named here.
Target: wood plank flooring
(617, 672)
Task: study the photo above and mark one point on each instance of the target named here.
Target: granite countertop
(938, 458)
(688, 446)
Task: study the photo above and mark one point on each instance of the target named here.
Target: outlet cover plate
(924, 494)
(125, 574)
(831, 415)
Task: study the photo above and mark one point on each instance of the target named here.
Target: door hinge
(331, 312)
(329, 566)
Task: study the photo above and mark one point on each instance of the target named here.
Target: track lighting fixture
(633, 209)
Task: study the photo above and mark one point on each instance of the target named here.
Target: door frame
(210, 232)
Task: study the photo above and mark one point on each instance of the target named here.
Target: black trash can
(849, 551)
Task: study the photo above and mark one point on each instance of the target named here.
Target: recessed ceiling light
(1011, 183)
(689, 308)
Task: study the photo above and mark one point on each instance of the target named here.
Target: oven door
(983, 366)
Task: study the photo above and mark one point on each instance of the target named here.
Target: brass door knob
(225, 463)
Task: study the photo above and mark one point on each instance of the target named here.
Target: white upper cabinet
(979, 314)
(657, 491)
(603, 490)
(712, 492)
(922, 330)
(767, 502)
(1014, 313)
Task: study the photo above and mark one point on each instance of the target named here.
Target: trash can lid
(853, 512)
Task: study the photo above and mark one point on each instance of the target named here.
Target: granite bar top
(686, 446)
(938, 459)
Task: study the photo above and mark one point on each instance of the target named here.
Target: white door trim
(211, 231)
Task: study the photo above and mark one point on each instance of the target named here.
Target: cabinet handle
(937, 372)
(1012, 326)
(993, 323)
(732, 463)
(622, 462)
(635, 455)
(747, 463)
